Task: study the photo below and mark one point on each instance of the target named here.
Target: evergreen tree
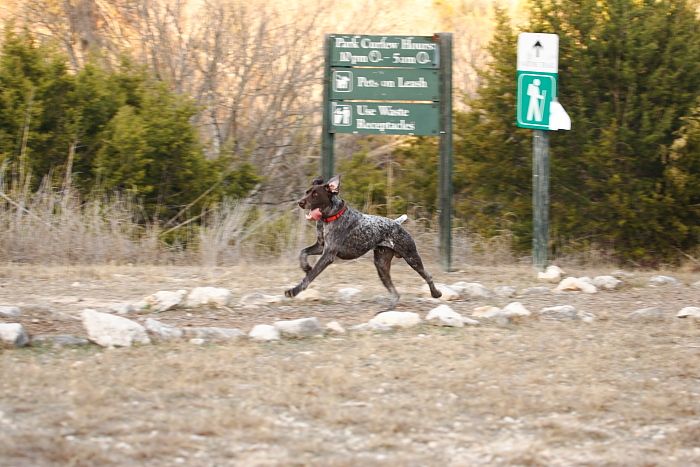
(629, 72)
(629, 76)
(34, 86)
(119, 130)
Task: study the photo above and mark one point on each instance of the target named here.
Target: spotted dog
(345, 233)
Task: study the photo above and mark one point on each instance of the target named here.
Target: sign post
(538, 109)
(327, 137)
(392, 85)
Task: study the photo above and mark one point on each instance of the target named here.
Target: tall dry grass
(51, 226)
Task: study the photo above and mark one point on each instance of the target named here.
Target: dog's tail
(401, 219)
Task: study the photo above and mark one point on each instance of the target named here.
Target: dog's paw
(293, 292)
(436, 294)
(306, 268)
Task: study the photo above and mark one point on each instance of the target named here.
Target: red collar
(334, 216)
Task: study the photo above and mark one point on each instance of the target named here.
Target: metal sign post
(538, 109)
(445, 173)
(392, 85)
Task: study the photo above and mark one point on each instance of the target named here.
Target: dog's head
(319, 197)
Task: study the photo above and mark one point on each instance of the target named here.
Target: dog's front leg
(326, 259)
(315, 249)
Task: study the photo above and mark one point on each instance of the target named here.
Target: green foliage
(410, 188)
(625, 177)
(364, 182)
(114, 130)
(34, 87)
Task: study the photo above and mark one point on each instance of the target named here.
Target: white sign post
(537, 108)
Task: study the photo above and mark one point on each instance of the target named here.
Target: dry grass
(613, 392)
(58, 227)
(539, 395)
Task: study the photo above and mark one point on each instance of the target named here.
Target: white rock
(13, 334)
(163, 331)
(696, 285)
(448, 293)
(539, 290)
(122, 308)
(256, 298)
(576, 284)
(164, 300)
(61, 340)
(471, 289)
(201, 296)
(310, 295)
(213, 333)
(620, 274)
(303, 327)
(264, 332)
(349, 293)
(371, 327)
(399, 319)
(559, 312)
(486, 311)
(551, 274)
(647, 314)
(335, 328)
(515, 309)
(506, 291)
(197, 341)
(110, 330)
(141, 305)
(445, 316)
(586, 317)
(663, 280)
(689, 312)
(10, 311)
(606, 282)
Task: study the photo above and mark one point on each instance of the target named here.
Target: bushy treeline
(626, 178)
(105, 130)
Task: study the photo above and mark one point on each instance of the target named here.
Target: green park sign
(536, 90)
(385, 83)
(385, 118)
(537, 105)
(384, 51)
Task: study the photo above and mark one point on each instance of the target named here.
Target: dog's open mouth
(314, 214)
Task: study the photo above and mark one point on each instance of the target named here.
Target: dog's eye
(314, 194)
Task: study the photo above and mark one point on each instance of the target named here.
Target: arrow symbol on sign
(537, 47)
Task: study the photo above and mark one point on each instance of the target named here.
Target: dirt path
(610, 392)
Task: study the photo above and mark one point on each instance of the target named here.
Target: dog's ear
(333, 184)
(317, 181)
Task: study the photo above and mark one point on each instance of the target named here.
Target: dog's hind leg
(382, 261)
(406, 248)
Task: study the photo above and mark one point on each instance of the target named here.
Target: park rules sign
(384, 85)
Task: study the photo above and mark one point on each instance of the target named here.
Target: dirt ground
(614, 391)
